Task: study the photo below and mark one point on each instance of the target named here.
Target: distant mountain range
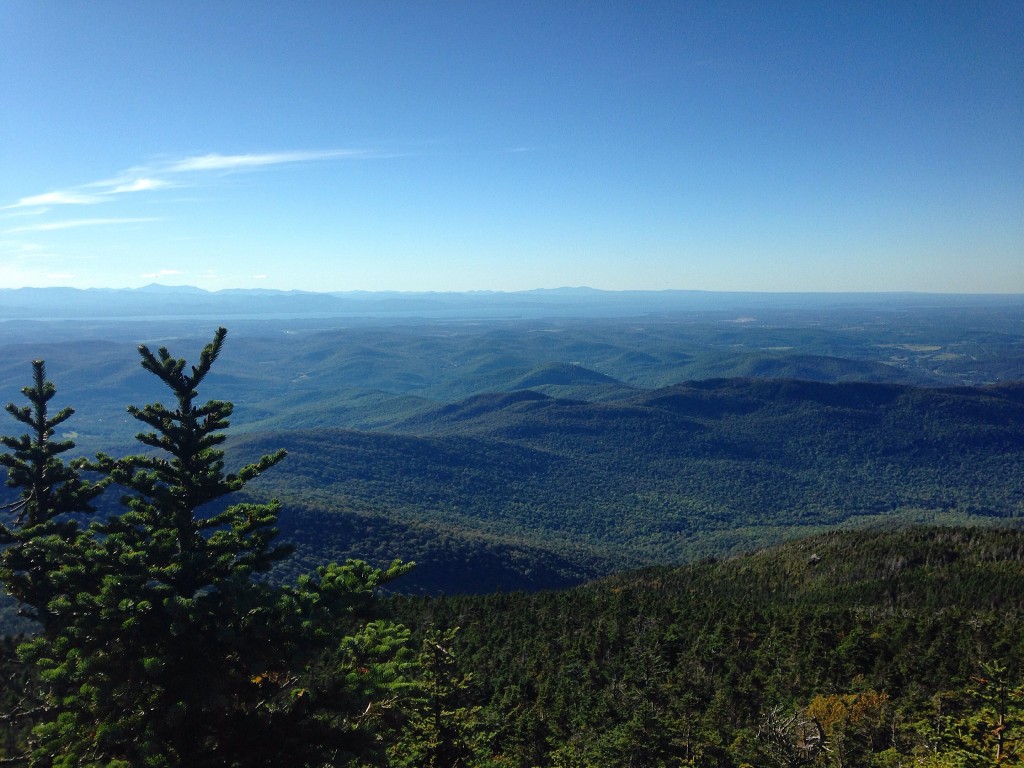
(161, 301)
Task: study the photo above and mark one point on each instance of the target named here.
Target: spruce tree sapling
(40, 531)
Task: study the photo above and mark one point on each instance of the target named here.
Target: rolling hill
(666, 476)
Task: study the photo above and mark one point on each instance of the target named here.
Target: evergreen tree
(41, 533)
(445, 729)
(166, 645)
(988, 730)
(42, 559)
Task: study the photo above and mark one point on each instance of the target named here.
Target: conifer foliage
(162, 642)
(40, 529)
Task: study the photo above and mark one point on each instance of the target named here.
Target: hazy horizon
(185, 287)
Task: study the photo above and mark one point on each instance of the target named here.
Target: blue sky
(766, 146)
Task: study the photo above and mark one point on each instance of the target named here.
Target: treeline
(856, 649)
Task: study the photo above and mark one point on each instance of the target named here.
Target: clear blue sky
(767, 146)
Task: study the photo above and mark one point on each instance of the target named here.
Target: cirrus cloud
(217, 162)
(75, 223)
(139, 185)
(56, 198)
(154, 176)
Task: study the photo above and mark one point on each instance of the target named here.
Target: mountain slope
(666, 476)
(880, 636)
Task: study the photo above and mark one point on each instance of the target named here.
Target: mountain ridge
(160, 300)
(707, 467)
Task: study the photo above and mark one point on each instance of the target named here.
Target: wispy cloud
(139, 185)
(173, 173)
(216, 162)
(162, 273)
(75, 223)
(69, 197)
(19, 250)
(23, 212)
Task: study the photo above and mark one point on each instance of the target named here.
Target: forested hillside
(872, 648)
(535, 491)
(524, 491)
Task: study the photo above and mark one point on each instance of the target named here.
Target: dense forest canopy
(873, 648)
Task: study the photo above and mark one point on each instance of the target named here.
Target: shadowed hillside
(665, 476)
